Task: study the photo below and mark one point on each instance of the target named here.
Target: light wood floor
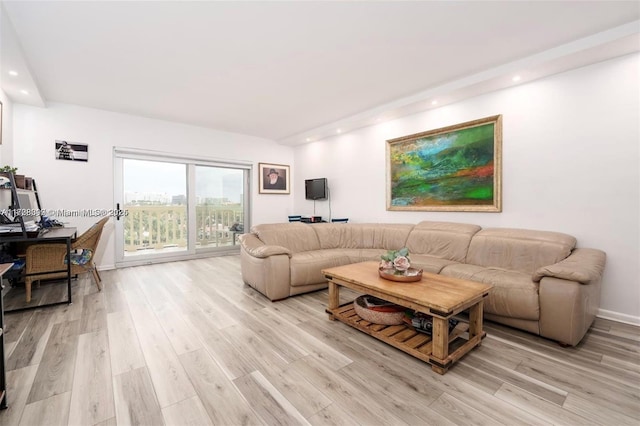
(187, 343)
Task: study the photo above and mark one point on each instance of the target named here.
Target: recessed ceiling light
(338, 130)
(516, 78)
(308, 139)
(434, 102)
(24, 92)
(13, 73)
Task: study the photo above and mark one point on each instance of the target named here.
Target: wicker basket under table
(377, 317)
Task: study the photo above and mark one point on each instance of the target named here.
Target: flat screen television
(315, 189)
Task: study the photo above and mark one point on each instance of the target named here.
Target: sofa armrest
(256, 248)
(269, 275)
(567, 308)
(583, 265)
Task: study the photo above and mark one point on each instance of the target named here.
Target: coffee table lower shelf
(407, 339)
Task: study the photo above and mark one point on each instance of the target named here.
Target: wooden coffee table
(436, 295)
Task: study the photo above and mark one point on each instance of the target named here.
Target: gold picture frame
(273, 178)
(453, 168)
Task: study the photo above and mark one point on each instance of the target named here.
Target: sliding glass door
(176, 207)
(219, 205)
(155, 199)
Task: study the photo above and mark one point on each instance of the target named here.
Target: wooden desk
(53, 235)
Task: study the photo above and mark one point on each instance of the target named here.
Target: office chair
(53, 257)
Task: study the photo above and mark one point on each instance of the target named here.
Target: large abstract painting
(455, 168)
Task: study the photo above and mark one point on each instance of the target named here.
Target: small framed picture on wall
(273, 178)
(71, 151)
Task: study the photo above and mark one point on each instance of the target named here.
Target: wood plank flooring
(187, 343)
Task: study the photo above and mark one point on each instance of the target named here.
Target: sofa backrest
(388, 236)
(296, 237)
(518, 249)
(444, 240)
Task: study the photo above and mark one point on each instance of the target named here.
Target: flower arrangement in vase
(398, 260)
(395, 265)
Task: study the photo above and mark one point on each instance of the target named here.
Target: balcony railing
(163, 227)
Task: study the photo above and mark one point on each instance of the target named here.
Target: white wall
(570, 164)
(78, 185)
(6, 149)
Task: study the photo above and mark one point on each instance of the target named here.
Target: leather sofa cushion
(514, 294)
(518, 249)
(429, 263)
(441, 239)
(362, 235)
(306, 267)
(418, 261)
(297, 237)
(367, 254)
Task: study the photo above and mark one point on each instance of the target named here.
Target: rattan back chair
(42, 258)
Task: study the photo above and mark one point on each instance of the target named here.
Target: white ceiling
(295, 71)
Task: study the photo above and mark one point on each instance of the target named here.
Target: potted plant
(19, 179)
(8, 169)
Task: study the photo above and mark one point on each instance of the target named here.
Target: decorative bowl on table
(408, 276)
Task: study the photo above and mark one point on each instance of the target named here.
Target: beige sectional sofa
(542, 283)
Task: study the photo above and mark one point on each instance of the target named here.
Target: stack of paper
(29, 226)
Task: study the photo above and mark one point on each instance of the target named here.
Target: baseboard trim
(106, 267)
(619, 317)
